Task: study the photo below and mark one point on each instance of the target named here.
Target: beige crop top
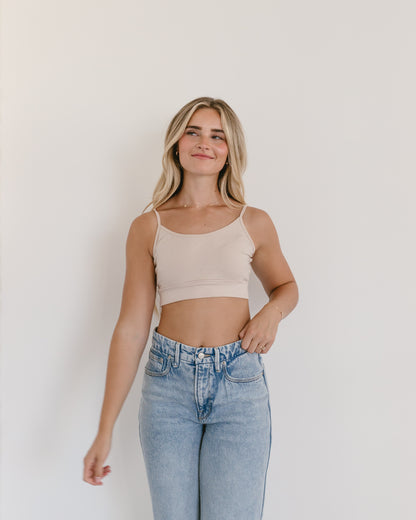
(201, 265)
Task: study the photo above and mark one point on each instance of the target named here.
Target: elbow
(291, 286)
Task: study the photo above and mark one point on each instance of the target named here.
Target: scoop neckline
(201, 234)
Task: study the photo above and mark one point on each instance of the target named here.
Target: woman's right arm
(128, 341)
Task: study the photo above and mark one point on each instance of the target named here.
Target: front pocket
(157, 365)
(245, 368)
(155, 357)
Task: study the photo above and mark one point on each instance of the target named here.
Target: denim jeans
(205, 431)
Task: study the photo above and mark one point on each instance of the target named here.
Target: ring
(261, 348)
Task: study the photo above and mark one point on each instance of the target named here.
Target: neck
(199, 196)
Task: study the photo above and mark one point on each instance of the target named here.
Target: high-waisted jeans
(205, 431)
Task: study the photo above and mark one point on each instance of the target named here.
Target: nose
(203, 142)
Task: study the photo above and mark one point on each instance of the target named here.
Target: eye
(190, 132)
(219, 137)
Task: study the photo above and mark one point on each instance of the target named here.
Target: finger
(253, 345)
(98, 473)
(262, 350)
(92, 472)
(89, 473)
(246, 344)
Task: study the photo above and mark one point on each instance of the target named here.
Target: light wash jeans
(205, 431)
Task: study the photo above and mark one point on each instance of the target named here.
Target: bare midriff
(204, 322)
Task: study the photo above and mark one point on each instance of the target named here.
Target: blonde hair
(230, 184)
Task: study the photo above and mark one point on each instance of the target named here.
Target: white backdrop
(325, 92)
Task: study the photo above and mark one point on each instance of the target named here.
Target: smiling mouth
(200, 156)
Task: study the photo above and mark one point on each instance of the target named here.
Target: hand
(261, 330)
(94, 470)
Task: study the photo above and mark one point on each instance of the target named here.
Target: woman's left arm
(272, 269)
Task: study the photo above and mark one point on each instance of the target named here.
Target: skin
(207, 322)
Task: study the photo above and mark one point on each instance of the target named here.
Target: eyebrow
(199, 128)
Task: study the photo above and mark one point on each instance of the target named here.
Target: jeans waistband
(196, 355)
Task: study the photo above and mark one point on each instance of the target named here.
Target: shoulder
(143, 229)
(260, 225)
(257, 216)
(144, 223)
(258, 219)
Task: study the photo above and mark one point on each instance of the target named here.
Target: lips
(202, 156)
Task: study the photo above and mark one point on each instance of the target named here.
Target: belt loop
(177, 354)
(217, 359)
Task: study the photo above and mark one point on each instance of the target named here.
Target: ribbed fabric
(201, 265)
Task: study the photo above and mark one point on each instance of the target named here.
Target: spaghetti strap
(157, 216)
(243, 210)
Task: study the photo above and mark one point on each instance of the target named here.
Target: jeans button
(201, 355)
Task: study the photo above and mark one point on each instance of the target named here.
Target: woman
(204, 415)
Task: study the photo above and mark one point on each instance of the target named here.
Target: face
(202, 147)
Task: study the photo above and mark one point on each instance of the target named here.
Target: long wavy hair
(229, 182)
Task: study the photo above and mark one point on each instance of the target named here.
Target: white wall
(325, 92)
